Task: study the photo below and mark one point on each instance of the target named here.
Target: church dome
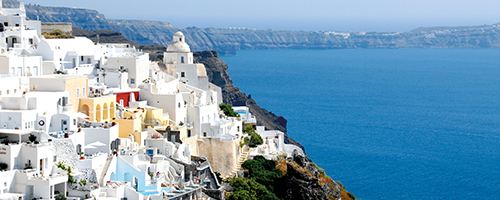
(179, 47)
(179, 34)
(178, 44)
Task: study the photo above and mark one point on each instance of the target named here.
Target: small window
(6, 23)
(15, 91)
(8, 92)
(204, 134)
(189, 133)
(182, 59)
(74, 122)
(60, 59)
(31, 40)
(179, 105)
(77, 92)
(132, 81)
(183, 74)
(55, 158)
(158, 102)
(17, 25)
(180, 39)
(81, 58)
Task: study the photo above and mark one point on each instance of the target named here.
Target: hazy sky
(335, 15)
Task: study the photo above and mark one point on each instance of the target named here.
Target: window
(81, 58)
(189, 133)
(8, 91)
(20, 71)
(15, 91)
(84, 92)
(28, 71)
(6, 23)
(77, 92)
(121, 102)
(74, 122)
(182, 59)
(204, 134)
(17, 25)
(88, 60)
(55, 158)
(178, 105)
(6, 40)
(132, 81)
(35, 71)
(31, 40)
(183, 74)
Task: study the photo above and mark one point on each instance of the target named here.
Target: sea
(387, 123)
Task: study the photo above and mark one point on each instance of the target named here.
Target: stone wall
(222, 155)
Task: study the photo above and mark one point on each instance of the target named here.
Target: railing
(203, 165)
(40, 177)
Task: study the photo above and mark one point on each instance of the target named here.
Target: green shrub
(262, 175)
(228, 110)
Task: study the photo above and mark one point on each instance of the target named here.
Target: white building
(179, 63)
(70, 55)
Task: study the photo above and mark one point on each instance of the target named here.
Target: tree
(260, 185)
(228, 110)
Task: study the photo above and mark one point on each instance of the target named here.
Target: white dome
(179, 46)
(179, 34)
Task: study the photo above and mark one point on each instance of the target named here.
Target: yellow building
(77, 85)
(99, 109)
(137, 120)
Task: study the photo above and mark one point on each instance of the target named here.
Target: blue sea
(387, 123)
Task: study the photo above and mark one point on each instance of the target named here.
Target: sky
(322, 15)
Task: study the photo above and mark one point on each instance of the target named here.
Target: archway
(98, 113)
(128, 177)
(105, 111)
(85, 110)
(112, 110)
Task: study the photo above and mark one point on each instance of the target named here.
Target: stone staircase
(241, 159)
(105, 169)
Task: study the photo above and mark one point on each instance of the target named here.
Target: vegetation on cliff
(292, 178)
(262, 174)
(56, 34)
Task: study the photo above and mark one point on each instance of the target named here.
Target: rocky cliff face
(304, 180)
(217, 71)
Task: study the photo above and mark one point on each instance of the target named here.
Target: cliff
(228, 41)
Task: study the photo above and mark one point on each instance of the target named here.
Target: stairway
(104, 170)
(241, 159)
